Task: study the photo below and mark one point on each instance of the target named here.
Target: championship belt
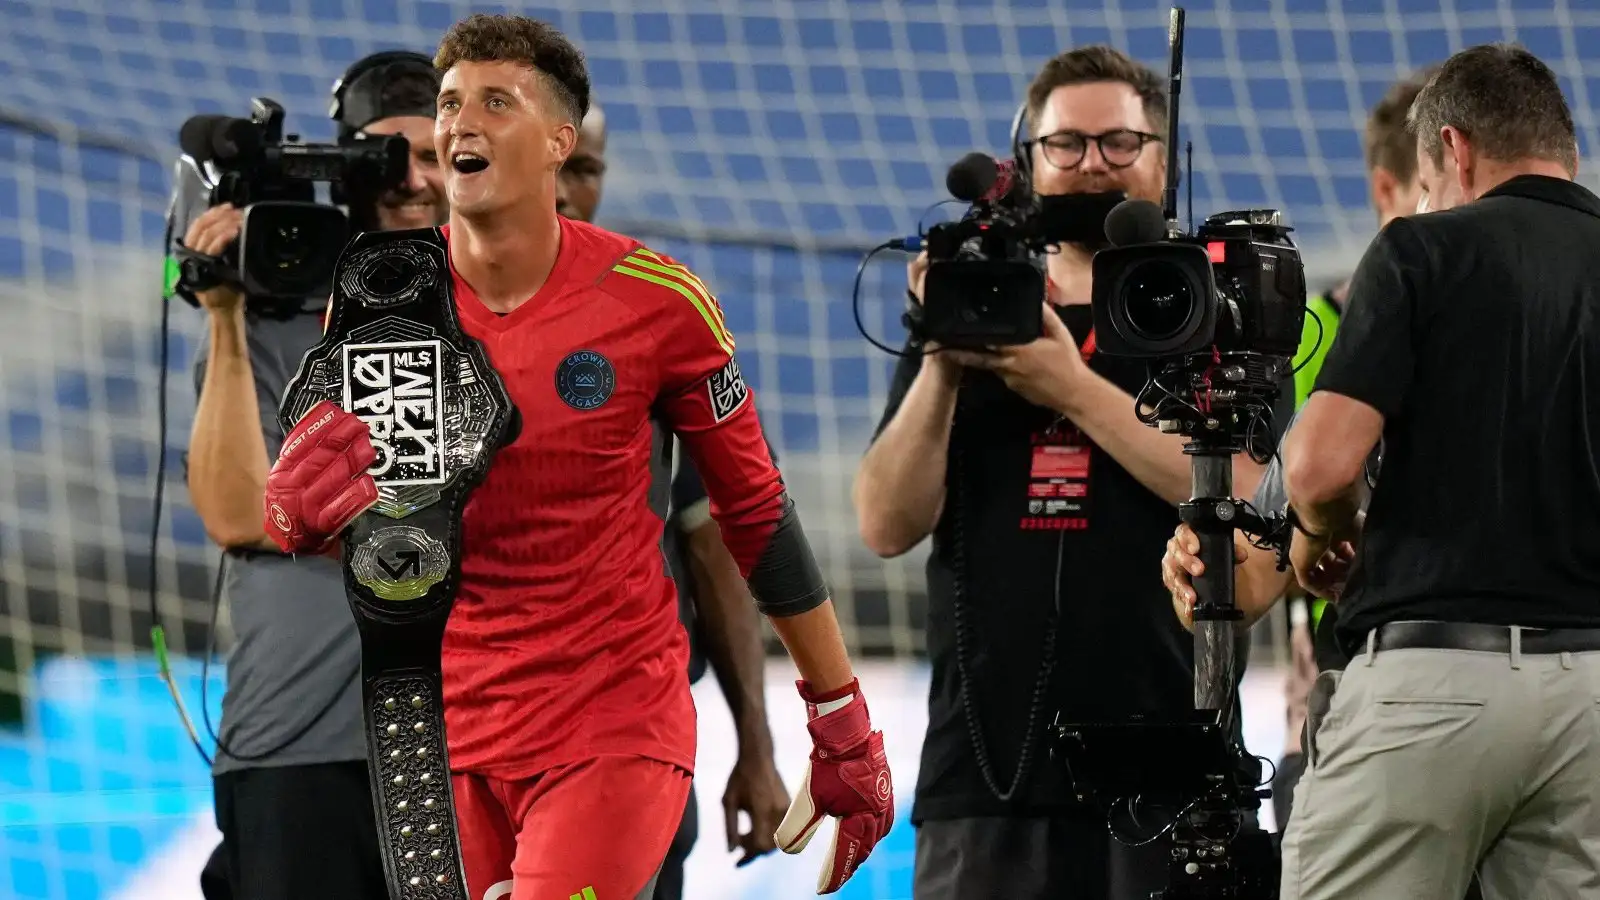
(395, 355)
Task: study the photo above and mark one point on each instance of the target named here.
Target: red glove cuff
(842, 732)
(812, 697)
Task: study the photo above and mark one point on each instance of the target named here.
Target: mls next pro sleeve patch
(728, 391)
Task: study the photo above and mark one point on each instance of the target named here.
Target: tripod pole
(1211, 514)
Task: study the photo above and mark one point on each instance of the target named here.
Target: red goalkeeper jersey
(564, 642)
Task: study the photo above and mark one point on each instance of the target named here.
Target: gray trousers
(1424, 766)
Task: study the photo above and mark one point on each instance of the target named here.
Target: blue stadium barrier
(101, 775)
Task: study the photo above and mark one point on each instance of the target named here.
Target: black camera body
(1219, 316)
(289, 243)
(1187, 775)
(1237, 286)
(985, 284)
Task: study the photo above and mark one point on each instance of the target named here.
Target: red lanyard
(1088, 345)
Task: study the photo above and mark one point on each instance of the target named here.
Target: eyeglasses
(1066, 149)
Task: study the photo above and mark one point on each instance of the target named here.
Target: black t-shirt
(690, 509)
(688, 496)
(1000, 541)
(1476, 333)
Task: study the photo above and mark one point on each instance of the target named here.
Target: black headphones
(356, 95)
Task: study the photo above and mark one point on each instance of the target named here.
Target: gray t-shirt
(1272, 497)
(296, 653)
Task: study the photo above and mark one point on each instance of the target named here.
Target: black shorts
(296, 833)
(1290, 768)
(669, 886)
(959, 859)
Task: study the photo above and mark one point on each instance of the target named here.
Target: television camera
(985, 284)
(289, 243)
(1218, 315)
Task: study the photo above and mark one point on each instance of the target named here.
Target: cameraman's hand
(1182, 564)
(1044, 372)
(917, 274)
(211, 234)
(1320, 566)
(933, 355)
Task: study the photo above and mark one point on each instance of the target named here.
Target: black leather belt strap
(394, 354)
(1484, 638)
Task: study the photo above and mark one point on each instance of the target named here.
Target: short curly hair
(1093, 64)
(487, 38)
(1388, 141)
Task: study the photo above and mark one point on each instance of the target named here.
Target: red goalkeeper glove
(320, 481)
(847, 777)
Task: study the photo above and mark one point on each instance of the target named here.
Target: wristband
(1293, 518)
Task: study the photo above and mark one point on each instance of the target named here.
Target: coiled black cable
(964, 677)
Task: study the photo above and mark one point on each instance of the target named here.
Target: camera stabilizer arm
(1214, 514)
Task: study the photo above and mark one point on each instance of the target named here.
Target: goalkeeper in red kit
(570, 723)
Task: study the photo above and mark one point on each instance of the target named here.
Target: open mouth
(468, 163)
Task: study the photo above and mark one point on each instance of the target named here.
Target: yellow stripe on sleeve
(690, 288)
(661, 265)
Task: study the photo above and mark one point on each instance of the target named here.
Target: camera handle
(200, 272)
(1213, 513)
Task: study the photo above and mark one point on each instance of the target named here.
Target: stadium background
(766, 144)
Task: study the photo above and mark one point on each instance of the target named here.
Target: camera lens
(290, 247)
(297, 255)
(1157, 300)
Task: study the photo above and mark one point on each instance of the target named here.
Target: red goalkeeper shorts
(594, 830)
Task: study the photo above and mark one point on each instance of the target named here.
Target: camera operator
(1034, 610)
(1462, 734)
(293, 800)
(1391, 154)
(714, 604)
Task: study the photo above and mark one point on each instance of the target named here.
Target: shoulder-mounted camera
(289, 242)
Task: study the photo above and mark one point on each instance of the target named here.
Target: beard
(1136, 183)
(1070, 204)
(428, 203)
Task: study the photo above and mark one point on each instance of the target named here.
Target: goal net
(767, 145)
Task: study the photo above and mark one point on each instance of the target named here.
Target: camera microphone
(1135, 222)
(980, 178)
(213, 137)
(976, 178)
(971, 177)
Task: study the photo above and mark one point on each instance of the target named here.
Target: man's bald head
(579, 186)
(594, 125)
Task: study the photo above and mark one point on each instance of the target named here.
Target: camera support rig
(1213, 513)
(1218, 316)
(1195, 770)
(1214, 400)
(1231, 393)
